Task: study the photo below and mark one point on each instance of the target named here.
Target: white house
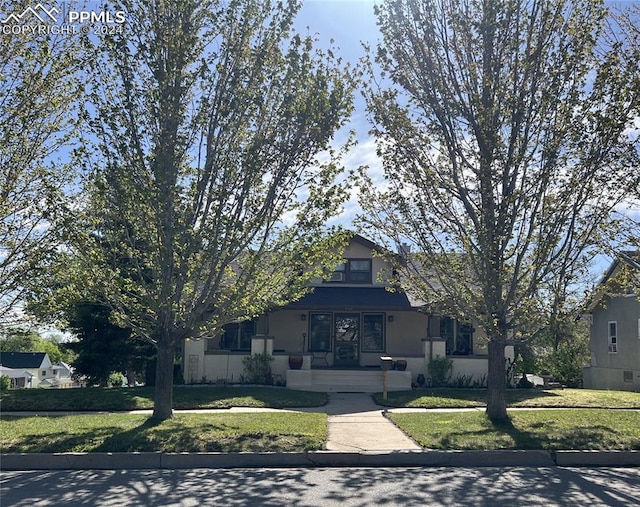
(34, 369)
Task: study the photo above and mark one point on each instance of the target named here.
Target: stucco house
(34, 369)
(341, 330)
(614, 315)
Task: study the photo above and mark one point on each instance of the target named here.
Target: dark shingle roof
(22, 359)
(352, 298)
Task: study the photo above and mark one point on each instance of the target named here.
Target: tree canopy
(212, 175)
(38, 90)
(502, 127)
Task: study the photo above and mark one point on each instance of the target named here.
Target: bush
(524, 383)
(440, 369)
(5, 383)
(462, 381)
(116, 379)
(257, 369)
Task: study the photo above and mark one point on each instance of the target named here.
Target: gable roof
(22, 359)
(15, 373)
(624, 258)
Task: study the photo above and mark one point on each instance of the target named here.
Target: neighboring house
(614, 313)
(34, 369)
(19, 378)
(342, 329)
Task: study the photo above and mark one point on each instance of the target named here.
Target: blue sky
(349, 23)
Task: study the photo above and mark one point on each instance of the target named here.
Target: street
(324, 487)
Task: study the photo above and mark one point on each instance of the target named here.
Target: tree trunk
(163, 399)
(496, 383)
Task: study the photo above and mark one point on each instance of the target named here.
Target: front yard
(140, 398)
(555, 429)
(611, 420)
(523, 398)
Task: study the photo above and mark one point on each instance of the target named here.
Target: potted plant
(401, 364)
(296, 359)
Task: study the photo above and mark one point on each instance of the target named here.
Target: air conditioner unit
(337, 276)
(613, 347)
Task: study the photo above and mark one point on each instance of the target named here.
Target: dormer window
(352, 271)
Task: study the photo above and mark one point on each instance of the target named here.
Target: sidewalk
(356, 423)
(358, 435)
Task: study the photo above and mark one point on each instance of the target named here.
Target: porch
(316, 374)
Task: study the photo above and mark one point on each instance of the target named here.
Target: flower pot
(401, 364)
(295, 361)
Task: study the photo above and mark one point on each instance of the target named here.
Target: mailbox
(386, 363)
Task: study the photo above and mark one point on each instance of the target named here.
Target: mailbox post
(385, 362)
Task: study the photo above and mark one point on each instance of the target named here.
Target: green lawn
(593, 427)
(246, 432)
(580, 429)
(527, 398)
(90, 399)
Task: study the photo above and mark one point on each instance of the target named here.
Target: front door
(347, 339)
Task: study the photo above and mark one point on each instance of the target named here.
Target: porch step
(347, 381)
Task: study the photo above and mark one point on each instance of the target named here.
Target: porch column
(262, 344)
(434, 347)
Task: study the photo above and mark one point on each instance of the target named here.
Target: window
(373, 332)
(627, 376)
(613, 337)
(320, 332)
(458, 336)
(237, 335)
(446, 333)
(43, 373)
(352, 271)
(464, 340)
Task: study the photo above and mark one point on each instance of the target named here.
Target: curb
(427, 458)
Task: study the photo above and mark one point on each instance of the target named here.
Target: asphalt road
(526, 486)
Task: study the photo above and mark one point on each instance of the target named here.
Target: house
(19, 378)
(614, 315)
(34, 369)
(340, 330)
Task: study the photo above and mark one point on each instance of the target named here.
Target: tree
(502, 136)
(207, 196)
(37, 92)
(103, 347)
(564, 351)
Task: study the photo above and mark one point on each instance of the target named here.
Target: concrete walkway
(356, 423)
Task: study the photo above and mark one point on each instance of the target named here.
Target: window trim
(218, 340)
(383, 318)
(612, 340)
(312, 342)
(345, 271)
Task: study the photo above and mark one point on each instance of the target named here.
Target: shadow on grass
(543, 435)
(79, 441)
(177, 435)
(186, 397)
(547, 435)
(136, 398)
(81, 399)
(445, 397)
